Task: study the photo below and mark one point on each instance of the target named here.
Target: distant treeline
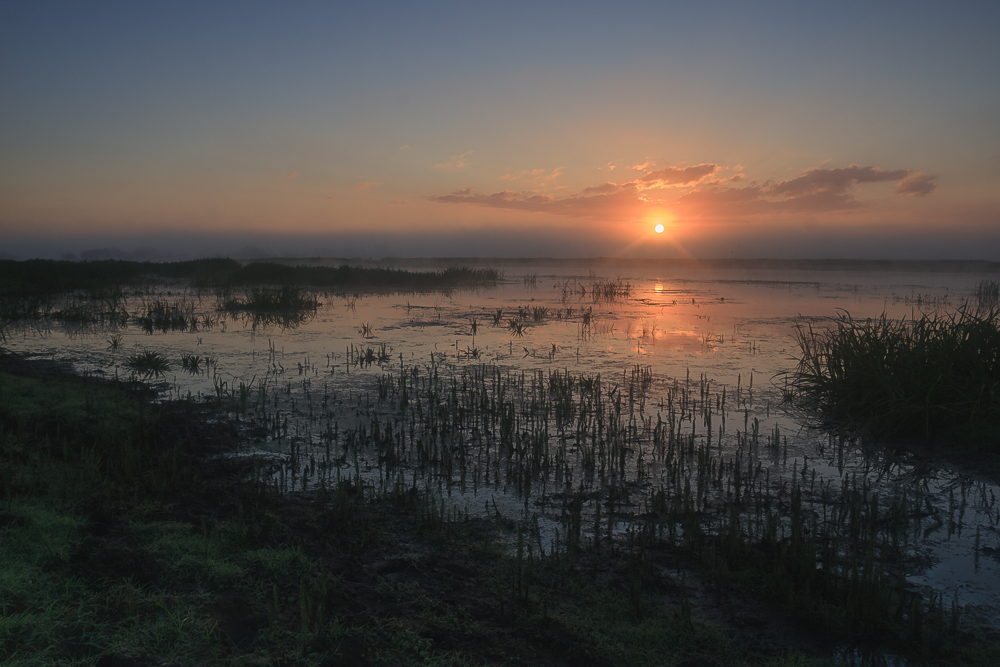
(46, 276)
(755, 264)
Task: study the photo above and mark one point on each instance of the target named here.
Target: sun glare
(659, 228)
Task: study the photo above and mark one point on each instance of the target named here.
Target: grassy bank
(934, 377)
(124, 540)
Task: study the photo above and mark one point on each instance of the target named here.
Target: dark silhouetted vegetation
(356, 278)
(148, 363)
(43, 276)
(284, 299)
(911, 377)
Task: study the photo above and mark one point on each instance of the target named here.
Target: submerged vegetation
(461, 511)
(124, 540)
(928, 376)
(284, 299)
(148, 363)
(268, 293)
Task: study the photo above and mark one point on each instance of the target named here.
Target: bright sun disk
(659, 228)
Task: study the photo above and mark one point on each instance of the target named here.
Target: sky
(502, 129)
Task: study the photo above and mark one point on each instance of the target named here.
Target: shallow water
(711, 329)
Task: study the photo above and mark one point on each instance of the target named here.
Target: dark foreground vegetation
(127, 538)
(934, 377)
(41, 276)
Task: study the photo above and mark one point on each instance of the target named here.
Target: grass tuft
(148, 363)
(900, 378)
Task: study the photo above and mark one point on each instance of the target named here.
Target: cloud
(917, 184)
(404, 147)
(620, 201)
(679, 175)
(642, 167)
(835, 181)
(293, 174)
(535, 176)
(456, 161)
(604, 189)
(368, 184)
(696, 195)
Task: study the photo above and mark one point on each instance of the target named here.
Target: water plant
(987, 293)
(288, 298)
(148, 363)
(903, 377)
(192, 363)
(516, 327)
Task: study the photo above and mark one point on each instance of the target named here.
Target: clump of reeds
(148, 363)
(610, 290)
(988, 293)
(903, 377)
(284, 299)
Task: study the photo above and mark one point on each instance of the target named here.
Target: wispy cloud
(918, 184)
(679, 175)
(404, 147)
(642, 167)
(292, 174)
(368, 184)
(695, 194)
(456, 161)
(534, 176)
(834, 181)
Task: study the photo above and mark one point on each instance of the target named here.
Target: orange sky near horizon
(123, 123)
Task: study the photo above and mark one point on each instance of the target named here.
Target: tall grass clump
(284, 299)
(897, 377)
(148, 363)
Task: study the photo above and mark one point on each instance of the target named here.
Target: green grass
(125, 537)
(928, 377)
(119, 543)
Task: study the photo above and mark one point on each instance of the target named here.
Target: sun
(659, 228)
